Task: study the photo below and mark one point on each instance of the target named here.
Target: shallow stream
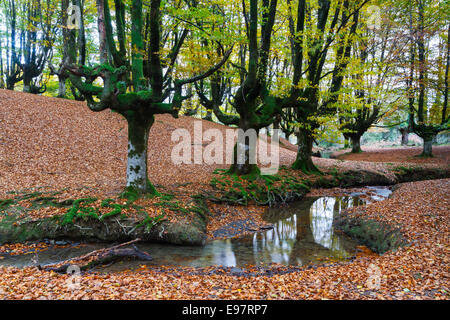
(302, 234)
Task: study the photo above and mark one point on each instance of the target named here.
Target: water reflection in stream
(302, 234)
(305, 234)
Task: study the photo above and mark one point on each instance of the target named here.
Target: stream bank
(300, 234)
(190, 228)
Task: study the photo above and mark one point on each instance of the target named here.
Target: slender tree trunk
(304, 153)
(356, 144)
(2, 84)
(447, 65)
(405, 136)
(62, 87)
(138, 130)
(103, 50)
(81, 36)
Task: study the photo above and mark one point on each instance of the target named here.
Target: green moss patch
(417, 173)
(91, 219)
(257, 188)
(380, 237)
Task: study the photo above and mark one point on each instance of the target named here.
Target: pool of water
(302, 234)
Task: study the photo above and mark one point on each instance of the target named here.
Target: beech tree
(245, 89)
(251, 100)
(334, 26)
(37, 41)
(213, 93)
(369, 91)
(11, 72)
(134, 85)
(425, 25)
(28, 46)
(74, 45)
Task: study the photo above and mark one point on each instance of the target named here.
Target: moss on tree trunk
(356, 144)
(304, 161)
(427, 147)
(244, 152)
(138, 131)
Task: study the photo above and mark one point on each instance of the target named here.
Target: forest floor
(441, 155)
(416, 271)
(59, 145)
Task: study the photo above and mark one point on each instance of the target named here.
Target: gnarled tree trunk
(427, 147)
(244, 153)
(405, 136)
(26, 85)
(304, 153)
(356, 144)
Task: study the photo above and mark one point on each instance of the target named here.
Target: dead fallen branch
(100, 257)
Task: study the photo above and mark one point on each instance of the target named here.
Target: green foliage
(262, 189)
(117, 208)
(38, 200)
(5, 203)
(166, 196)
(79, 210)
(401, 170)
(132, 194)
(150, 222)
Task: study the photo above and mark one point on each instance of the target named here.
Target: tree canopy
(317, 69)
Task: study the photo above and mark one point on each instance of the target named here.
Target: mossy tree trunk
(356, 144)
(427, 146)
(305, 99)
(149, 92)
(244, 152)
(425, 127)
(138, 131)
(253, 115)
(304, 161)
(245, 167)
